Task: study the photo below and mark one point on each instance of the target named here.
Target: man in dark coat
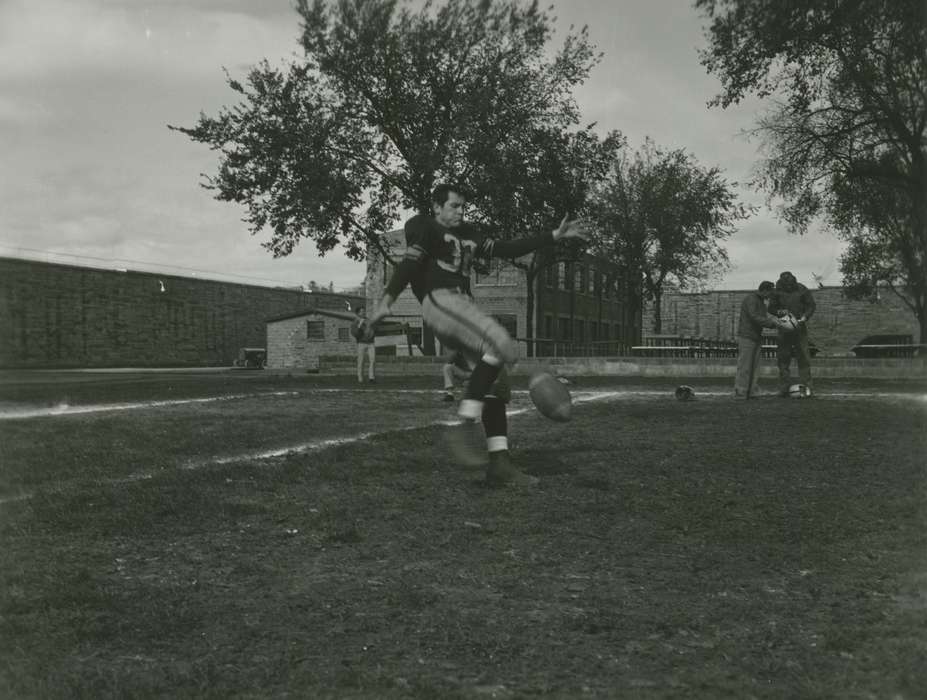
(794, 298)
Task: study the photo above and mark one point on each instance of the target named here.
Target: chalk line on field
(315, 445)
(64, 409)
(312, 446)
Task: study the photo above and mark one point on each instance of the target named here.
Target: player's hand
(577, 228)
(802, 319)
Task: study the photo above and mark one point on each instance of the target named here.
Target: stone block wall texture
(65, 316)
(289, 347)
(837, 325)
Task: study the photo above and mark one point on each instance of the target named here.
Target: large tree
(387, 101)
(846, 139)
(663, 218)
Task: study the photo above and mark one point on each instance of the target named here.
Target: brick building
(837, 325)
(297, 340)
(578, 307)
(54, 315)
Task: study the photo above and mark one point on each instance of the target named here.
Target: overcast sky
(91, 175)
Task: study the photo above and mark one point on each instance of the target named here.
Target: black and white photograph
(463, 349)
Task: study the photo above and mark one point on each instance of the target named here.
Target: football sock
(495, 423)
(481, 379)
(470, 409)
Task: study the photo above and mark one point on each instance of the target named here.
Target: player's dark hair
(766, 286)
(358, 309)
(441, 192)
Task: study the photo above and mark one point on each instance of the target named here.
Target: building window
(580, 331)
(593, 331)
(344, 333)
(561, 275)
(593, 282)
(500, 274)
(315, 330)
(551, 275)
(509, 322)
(548, 327)
(579, 278)
(564, 329)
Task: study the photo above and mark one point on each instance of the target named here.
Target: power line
(150, 264)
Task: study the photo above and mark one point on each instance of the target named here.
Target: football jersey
(438, 257)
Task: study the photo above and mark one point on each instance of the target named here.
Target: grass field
(240, 535)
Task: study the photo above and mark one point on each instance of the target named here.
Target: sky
(91, 175)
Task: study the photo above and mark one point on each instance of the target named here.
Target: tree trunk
(658, 310)
(428, 341)
(531, 274)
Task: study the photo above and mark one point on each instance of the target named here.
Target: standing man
(440, 251)
(753, 318)
(794, 298)
(365, 346)
(455, 370)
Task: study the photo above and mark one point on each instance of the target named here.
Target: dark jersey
(796, 299)
(438, 257)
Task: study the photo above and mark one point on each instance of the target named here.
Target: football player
(793, 297)
(440, 250)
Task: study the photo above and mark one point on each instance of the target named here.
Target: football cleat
(467, 443)
(501, 472)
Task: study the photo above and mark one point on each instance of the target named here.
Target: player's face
(450, 214)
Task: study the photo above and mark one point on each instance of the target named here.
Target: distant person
(364, 347)
(754, 316)
(795, 298)
(455, 371)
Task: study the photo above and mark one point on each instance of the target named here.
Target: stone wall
(288, 344)
(837, 325)
(67, 316)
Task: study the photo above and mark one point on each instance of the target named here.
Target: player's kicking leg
(458, 322)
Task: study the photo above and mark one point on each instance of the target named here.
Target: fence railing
(667, 345)
(547, 347)
(651, 346)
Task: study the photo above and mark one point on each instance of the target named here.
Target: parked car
(885, 345)
(251, 358)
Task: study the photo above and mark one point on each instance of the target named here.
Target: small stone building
(297, 340)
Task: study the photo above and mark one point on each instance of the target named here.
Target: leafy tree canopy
(386, 102)
(846, 139)
(664, 218)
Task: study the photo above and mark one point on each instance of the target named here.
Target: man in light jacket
(753, 318)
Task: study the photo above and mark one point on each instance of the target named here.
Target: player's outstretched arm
(575, 228)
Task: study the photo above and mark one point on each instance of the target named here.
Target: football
(684, 393)
(800, 391)
(550, 397)
(788, 322)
